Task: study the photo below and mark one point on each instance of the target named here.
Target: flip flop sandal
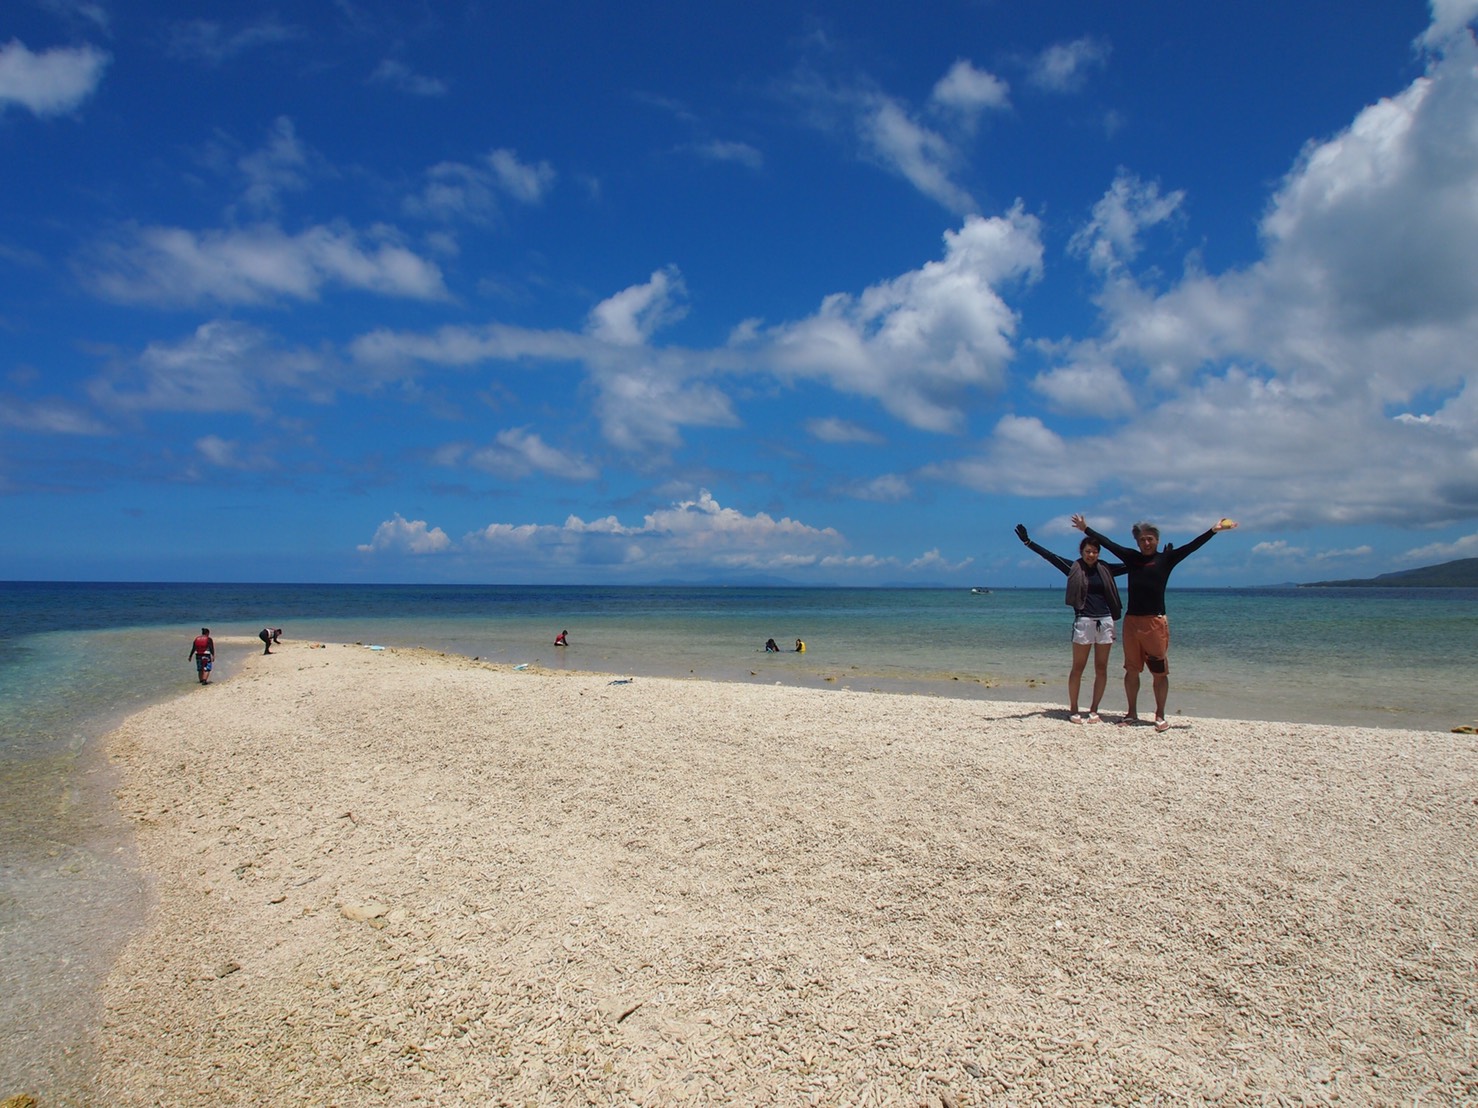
(1075, 718)
(1094, 718)
(1162, 725)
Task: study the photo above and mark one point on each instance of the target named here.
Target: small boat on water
(979, 592)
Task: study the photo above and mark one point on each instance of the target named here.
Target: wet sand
(390, 877)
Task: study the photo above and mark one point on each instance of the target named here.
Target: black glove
(1021, 533)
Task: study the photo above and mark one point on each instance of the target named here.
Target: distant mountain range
(1461, 574)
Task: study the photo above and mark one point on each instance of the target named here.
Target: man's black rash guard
(1148, 576)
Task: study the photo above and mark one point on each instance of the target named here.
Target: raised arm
(1107, 543)
(1179, 552)
(1056, 559)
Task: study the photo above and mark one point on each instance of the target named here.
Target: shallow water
(76, 658)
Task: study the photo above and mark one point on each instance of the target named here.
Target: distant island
(1461, 574)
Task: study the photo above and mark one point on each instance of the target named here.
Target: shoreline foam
(391, 875)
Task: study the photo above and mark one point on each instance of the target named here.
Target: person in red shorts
(1146, 628)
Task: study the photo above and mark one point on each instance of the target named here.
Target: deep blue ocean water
(75, 658)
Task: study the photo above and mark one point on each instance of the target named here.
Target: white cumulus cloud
(52, 82)
(631, 316)
(404, 536)
(1112, 238)
(917, 342)
(1450, 18)
(690, 537)
(970, 91)
(1328, 382)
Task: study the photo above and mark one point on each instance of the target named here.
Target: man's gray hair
(1145, 527)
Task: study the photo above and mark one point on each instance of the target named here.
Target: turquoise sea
(75, 658)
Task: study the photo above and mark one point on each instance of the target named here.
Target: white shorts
(1088, 631)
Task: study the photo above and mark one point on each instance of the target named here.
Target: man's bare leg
(1131, 693)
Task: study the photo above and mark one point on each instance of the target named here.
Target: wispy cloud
(834, 430)
(739, 153)
(518, 452)
(177, 266)
(1465, 547)
(401, 77)
(474, 192)
(890, 488)
(278, 166)
(890, 134)
(222, 366)
(1279, 548)
(50, 416)
(85, 11)
(213, 42)
(1065, 66)
(231, 454)
(923, 157)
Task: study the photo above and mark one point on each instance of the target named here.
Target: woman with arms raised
(1094, 599)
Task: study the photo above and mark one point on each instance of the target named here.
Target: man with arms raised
(1146, 628)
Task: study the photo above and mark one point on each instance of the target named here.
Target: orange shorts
(1147, 643)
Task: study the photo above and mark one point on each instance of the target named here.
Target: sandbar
(396, 876)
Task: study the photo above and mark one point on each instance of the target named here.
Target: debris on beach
(371, 912)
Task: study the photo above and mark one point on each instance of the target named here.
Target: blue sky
(834, 293)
